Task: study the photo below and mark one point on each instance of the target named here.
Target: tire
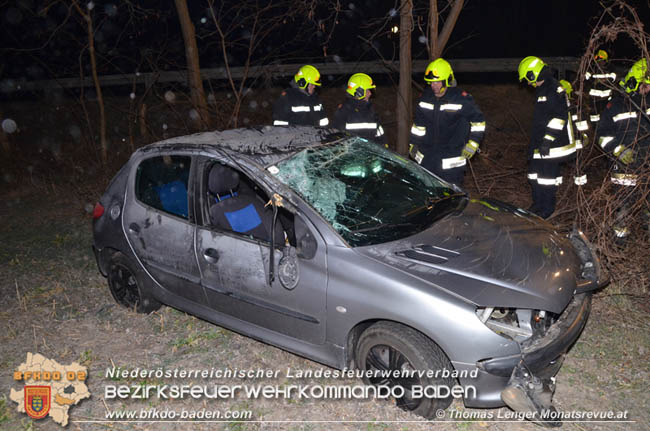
(391, 346)
(126, 283)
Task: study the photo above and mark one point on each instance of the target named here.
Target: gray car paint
(376, 283)
(491, 256)
(163, 243)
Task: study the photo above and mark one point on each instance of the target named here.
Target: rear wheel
(126, 282)
(388, 347)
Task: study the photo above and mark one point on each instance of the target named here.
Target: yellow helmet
(530, 68)
(439, 70)
(637, 75)
(306, 75)
(601, 55)
(358, 85)
(568, 88)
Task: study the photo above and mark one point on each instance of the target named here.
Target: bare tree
(438, 39)
(193, 69)
(4, 141)
(404, 93)
(87, 17)
(244, 32)
(598, 206)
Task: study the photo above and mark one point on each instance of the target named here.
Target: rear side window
(161, 182)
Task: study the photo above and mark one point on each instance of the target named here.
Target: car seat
(237, 207)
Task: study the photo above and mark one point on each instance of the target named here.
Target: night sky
(38, 45)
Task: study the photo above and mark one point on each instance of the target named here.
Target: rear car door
(235, 272)
(158, 223)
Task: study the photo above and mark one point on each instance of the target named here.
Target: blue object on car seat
(224, 197)
(244, 220)
(173, 197)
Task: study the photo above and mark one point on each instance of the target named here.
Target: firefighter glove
(415, 153)
(470, 149)
(626, 156)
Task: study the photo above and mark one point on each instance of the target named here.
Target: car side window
(162, 182)
(237, 204)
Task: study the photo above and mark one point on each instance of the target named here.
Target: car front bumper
(542, 357)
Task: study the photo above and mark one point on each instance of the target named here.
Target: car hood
(491, 254)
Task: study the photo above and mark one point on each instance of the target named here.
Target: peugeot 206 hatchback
(336, 249)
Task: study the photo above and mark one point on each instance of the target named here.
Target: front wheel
(394, 354)
(126, 282)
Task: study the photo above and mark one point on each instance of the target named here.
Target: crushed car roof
(264, 145)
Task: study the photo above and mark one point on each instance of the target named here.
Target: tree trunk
(98, 89)
(193, 69)
(450, 22)
(142, 122)
(433, 28)
(4, 142)
(404, 92)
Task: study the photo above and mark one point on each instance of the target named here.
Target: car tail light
(98, 211)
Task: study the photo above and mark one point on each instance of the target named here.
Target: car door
(235, 276)
(158, 226)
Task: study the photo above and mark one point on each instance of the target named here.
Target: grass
(59, 289)
(4, 409)
(86, 358)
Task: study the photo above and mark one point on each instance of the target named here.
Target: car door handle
(211, 255)
(134, 228)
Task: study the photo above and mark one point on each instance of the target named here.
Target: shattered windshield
(367, 193)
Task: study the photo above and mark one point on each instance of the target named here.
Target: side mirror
(306, 244)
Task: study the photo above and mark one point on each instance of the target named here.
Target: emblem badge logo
(37, 401)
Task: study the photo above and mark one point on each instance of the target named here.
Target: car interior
(162, 183)
(237, 204)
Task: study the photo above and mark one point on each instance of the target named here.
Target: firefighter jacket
(552, 137)
(444, 127)
(581, 127)
(600, 85)
(359, 118)
(295, 107)
(624, 127)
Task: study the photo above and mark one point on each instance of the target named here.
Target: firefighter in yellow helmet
(625, 135)
(299, 104)
(448, 126)
(580, 132)
(600, 79)
(551, 140)
(357, 114)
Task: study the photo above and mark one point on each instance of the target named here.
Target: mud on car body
(336, 249)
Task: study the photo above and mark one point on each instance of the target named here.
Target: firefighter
(625, 130)
(551, 140)
(357, 114)
(448, 125)
(299, 104)
(580, 134)
(601, 83)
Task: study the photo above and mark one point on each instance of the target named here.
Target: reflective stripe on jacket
(552, 124)
(443, 127)
(295, 107)
(359, 118)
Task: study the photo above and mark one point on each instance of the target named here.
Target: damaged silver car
(336, 249)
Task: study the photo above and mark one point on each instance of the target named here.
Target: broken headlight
(518, 324)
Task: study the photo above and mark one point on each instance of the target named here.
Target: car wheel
(126, 282)
(388, 346)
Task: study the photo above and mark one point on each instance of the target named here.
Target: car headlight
(590, 266)
(518, 324)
